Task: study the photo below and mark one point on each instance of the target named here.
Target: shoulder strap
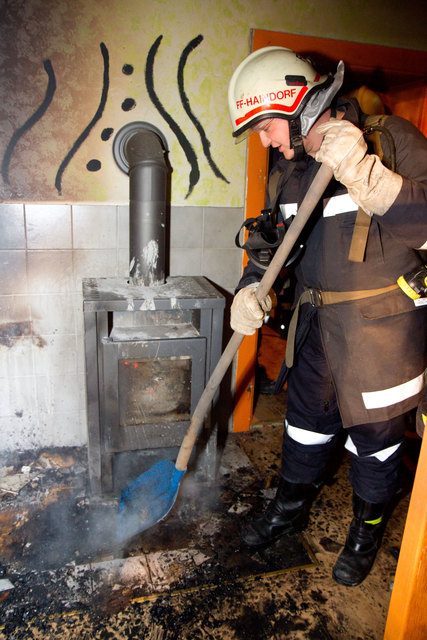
(373, 126)
(273, 184)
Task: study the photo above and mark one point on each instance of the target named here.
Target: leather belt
(318, 298)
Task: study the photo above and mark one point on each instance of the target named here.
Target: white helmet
(275, 82)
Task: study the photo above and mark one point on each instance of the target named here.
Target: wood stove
(151, 342)
(149, 353)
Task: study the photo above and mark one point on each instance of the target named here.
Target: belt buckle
(315, 297)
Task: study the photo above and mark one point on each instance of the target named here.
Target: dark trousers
(313, 426)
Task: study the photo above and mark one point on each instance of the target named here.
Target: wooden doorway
(398, 75)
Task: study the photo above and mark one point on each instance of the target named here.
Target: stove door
(150, 389)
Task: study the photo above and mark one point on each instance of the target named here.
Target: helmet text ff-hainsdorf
(275, 82)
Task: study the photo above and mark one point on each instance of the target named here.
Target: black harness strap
(264, 234)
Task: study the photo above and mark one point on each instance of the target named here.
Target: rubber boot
(287, 513)
(363, 541)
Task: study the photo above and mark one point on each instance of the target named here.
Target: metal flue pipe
(140, 151)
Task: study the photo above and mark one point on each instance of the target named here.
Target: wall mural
(128, 104)
(183, 141)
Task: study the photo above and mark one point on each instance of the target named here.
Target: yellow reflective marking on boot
(377, 521)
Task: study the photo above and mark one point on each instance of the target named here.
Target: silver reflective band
(338, 204)
(379, 455)
(303, 436)
(288, 210)
(394, 395)
(331, 206)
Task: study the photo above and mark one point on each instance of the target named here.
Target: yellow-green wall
(45, 158)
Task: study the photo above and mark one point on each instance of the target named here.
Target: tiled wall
(45, 251)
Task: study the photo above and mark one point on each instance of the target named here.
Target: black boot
(287, 513)
(362, 544)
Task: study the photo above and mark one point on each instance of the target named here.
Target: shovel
(149, 498)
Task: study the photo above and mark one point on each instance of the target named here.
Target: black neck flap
(296, 139)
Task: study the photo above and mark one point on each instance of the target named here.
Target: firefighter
(356, 359)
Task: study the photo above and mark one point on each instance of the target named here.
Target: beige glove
(370, 184)
(247, 314)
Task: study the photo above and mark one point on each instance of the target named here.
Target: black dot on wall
(106, 133)
(93, 165)
(127, 69)
(128, 104)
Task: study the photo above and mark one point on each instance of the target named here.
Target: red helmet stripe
(273, 107)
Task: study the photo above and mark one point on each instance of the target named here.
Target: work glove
(247, 313)
(370, 184)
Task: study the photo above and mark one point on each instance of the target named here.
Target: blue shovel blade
(148, 499)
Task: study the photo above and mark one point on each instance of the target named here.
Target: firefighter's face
(274, 132)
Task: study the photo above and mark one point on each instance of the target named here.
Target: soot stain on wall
(11, 332)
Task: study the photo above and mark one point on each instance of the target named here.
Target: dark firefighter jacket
(376, 346)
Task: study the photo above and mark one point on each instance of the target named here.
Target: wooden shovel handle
(311, 199)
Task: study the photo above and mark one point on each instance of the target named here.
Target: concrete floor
(187, 578)
(146, 591)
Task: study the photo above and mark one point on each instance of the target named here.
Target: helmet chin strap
(295, 139)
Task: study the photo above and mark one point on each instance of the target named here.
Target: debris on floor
(62, 573)
(59, 551)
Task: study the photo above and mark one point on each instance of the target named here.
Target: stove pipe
(139, 149)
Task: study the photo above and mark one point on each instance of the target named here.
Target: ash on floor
(186, 578)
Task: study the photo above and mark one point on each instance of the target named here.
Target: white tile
(48, 226)
(81, 357)
(13, 272)
(57, 357)
(12, 226)
(221, 226)
(81, 429)
(19, 357)
(223, 266)
(186, 227)
(52, 313)
(58, 394)
(94, 263)
(14, 309)
(94, 226)
(18, 435)
(123, 227)
(81, 385)
(65, 429)
(76, 303)
(22, 397)
(5, 404)
(4, 362)
(185, 262)
(50, 271)
(123, 263)
(43, 394)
